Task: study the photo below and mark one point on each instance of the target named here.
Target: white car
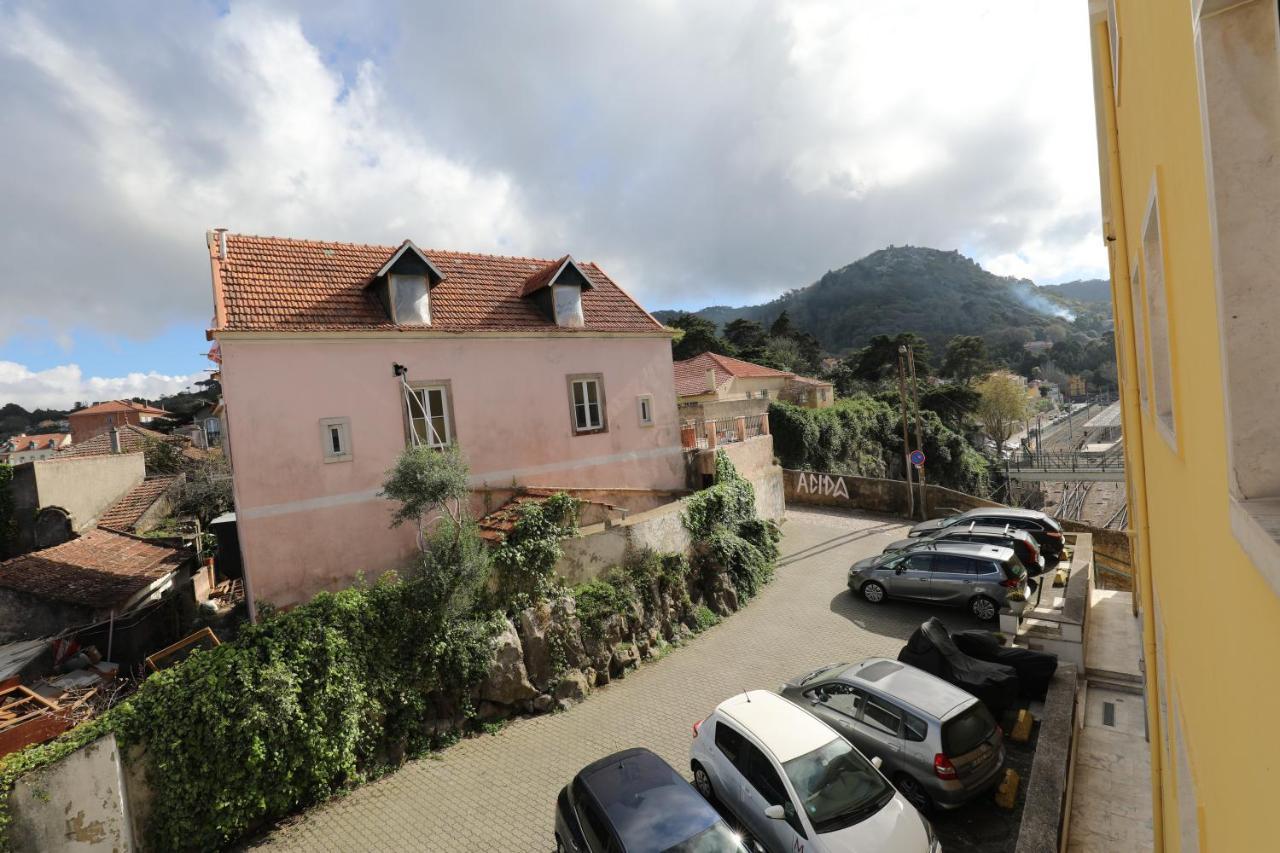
(796, 785)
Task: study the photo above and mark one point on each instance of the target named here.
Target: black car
(1022, 542)
(633, 801)
(1047, 531)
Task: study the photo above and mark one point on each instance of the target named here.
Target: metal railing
(708, 434)
(1065, 461)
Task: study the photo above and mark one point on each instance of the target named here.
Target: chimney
(711, 380)
(222, 243)
(115, 440)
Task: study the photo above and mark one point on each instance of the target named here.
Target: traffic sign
(917, 458)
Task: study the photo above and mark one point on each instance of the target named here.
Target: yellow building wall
(1214, 685)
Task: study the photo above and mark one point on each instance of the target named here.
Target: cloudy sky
(703, 151)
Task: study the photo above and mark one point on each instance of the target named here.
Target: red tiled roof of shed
(286, 285)
(124, 513)
(101, 569)
(691, 374)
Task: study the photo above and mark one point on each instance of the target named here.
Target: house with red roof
(335, 357)
(99, 418)
(711, 386)
(28, 448)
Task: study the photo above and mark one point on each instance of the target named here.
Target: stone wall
(1109, 546)
(599, 547)
(873, 494)
(85, 486)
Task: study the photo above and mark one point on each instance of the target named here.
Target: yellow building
(1188, 111)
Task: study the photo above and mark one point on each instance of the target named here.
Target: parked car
(634, 801)
(960, 574)
(939, 745)
(1022, 542)
(1047, 531)
(795, 783)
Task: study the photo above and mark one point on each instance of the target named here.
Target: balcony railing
(711, 434)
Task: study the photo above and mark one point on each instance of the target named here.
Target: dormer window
(410, 302)
(567, 299)
(403, 286)
(557, 290)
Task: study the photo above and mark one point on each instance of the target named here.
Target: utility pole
(915, 404)
(906, 442)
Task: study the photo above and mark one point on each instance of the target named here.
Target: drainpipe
(1135, 467)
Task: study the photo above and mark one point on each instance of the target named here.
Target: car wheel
(914, 793)
(984, 608)
(702, 783)
(873, 592)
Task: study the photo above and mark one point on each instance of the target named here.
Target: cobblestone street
(497, 792)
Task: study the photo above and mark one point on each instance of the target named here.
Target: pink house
(336, 356)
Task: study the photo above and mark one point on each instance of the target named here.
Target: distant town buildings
(29, 448)
(100, 417)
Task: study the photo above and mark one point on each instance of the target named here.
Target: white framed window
(645, 405)
(1158, 327)
(335, 439)
(430, 418)
(586, 403)
(764, 393)
(410, 300)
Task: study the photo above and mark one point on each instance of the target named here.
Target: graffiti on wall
(821, 484)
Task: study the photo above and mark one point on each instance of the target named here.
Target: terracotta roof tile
(124, 513)
(280, 284)
(817, 383)
(691, 374)
(118, 406)
(35, 442)
(101, 569)
(133, 439)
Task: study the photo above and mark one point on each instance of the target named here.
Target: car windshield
(837, 787)
(717, 838)
(967, 730)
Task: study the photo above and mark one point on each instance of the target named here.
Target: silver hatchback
(972, 575)
(939, 745)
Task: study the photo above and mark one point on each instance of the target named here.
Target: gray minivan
(972, 575)
(938, 744)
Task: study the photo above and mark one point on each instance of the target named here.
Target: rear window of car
(1013, 568)
(967, 730)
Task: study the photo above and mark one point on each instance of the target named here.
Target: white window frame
(1159, 321)
(644, 409)
(342, 428)
(421, 396)
(586, 380)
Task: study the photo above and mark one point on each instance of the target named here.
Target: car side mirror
(775, 813)
(899, 569)
(876, 762)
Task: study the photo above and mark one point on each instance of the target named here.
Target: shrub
(704, 618)
(527, 558)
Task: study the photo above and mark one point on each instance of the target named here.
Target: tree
(8, 524)
(782, 327)
(425, 480)
(699, 337)
(953, 402)
(747, 335)
(965, 358)
(879, 358)
(1002, 405)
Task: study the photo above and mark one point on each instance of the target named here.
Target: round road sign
(917, 458)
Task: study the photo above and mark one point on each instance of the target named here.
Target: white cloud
(719, 151)
(62, 386)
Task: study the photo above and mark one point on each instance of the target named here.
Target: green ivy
(300, 706)
(527, 558)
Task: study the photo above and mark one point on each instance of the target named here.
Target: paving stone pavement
(497, 792)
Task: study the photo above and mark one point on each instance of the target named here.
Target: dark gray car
(939, 745)
(1022, 542)
(1046, 530)
(959, 574)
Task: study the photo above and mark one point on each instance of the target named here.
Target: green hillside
(933, 293)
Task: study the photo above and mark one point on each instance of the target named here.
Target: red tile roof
(124, 513)
(34, 442)
(133, 439)
(101, 569)
(279, 284)
(691, 374)
(816, 383)
(118, 406)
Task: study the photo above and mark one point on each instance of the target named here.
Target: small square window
(335, 439)
(646, 410)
